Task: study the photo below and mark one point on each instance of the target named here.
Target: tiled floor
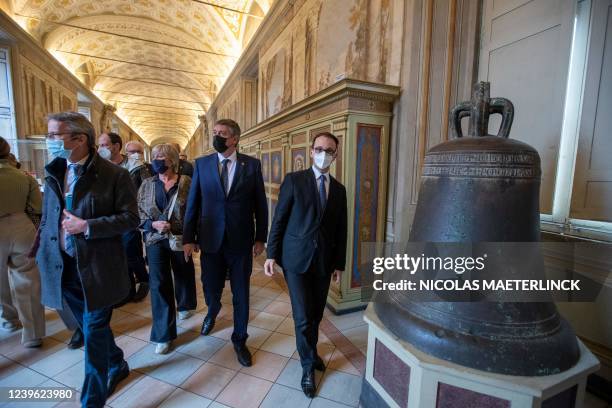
(203, 371)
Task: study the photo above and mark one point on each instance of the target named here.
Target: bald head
(134, 146)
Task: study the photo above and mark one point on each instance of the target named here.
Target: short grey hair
(169, 153)
(77, 124)
(233, 127)
(134, 142)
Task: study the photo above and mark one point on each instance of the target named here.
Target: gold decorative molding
(339, 125)
(338, 91)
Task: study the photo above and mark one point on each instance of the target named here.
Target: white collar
(81, 162)
(318, 174)
(232, 157)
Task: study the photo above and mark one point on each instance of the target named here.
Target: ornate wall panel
(43, 95)
(265, 166)
(367, 189)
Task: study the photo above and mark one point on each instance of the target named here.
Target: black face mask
(219, 144)
(159, 166)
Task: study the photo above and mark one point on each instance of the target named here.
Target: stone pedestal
(399, 375)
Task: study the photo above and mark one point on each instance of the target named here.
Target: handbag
(175, 241)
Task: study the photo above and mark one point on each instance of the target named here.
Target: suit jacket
(300, 228)
(242, 214)
(140, 174)
(105, 196)
(185, 168)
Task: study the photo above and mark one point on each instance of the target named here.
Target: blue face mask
(159, 166)
(55, 149)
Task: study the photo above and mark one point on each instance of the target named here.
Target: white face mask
(323, 160)
(134, 160)
(104, 152)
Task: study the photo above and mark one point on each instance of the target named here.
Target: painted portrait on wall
(277, 167)
(275, 83)
(265, 167)
(366, 192)
(272, 208)
(298, 159)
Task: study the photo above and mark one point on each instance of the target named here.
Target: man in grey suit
(88, 204)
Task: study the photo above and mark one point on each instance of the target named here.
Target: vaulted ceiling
(159, 62)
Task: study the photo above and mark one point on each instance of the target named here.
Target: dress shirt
(318, 174)
(231, 167)
(69, 175)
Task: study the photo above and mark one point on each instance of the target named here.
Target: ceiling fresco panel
(159, 62)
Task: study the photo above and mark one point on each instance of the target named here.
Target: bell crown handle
(479, 109)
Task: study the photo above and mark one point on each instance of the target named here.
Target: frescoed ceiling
(159, 62)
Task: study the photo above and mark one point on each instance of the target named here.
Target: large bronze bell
(481, 188)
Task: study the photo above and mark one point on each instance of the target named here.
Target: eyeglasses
(55, 135)
(320, 150)
(133, 151)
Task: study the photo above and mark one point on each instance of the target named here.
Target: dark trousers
(102, 356)
(163, 264)
(132, 243)
(308, 293)
(215, 267)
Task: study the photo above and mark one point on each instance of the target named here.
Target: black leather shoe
(308, 383)
(117, 376)
(142, 292)
(243, 354)
(319, 364)
(76, 341)
(207, 326)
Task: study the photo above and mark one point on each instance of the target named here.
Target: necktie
(224, 175)
(71, 178)
(73, 172)
(322, 195)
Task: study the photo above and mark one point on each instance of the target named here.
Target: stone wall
(291, 57)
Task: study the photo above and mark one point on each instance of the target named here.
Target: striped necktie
(71, 178)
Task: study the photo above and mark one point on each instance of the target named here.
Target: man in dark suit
(227, 217)
(88, 204)
(308, 240)
(185, 167)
